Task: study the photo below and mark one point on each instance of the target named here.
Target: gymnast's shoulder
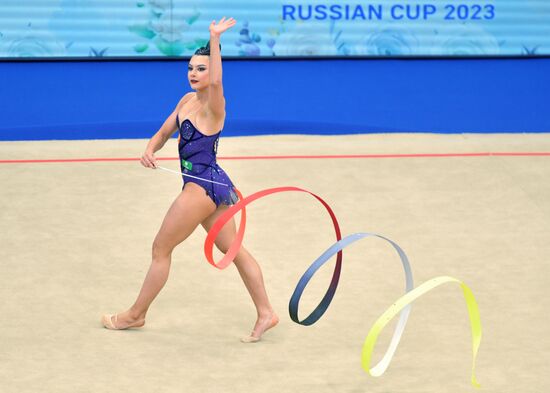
(185, 98)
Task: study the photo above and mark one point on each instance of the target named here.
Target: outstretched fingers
(222, 25)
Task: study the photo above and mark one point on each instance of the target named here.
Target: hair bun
(205, 50)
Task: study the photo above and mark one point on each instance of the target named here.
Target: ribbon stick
(194, 177)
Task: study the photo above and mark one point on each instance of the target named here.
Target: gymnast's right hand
(148, 160)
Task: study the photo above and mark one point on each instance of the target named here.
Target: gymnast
(198, 116)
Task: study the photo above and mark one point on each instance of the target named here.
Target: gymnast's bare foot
(124, 320)
(263, 324)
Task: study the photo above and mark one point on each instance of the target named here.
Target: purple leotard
(200, 150)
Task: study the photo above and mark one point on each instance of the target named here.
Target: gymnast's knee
(223, 247)
(160, 250)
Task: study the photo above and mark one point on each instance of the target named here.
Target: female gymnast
(198, 117)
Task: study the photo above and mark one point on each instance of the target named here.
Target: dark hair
(205, 50)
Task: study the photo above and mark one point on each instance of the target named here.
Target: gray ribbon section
(322, 307)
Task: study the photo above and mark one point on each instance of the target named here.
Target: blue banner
(176, 28)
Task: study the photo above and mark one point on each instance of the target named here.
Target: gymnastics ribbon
(403, 304)
(236, 245)
(405, 301)
(381, 367)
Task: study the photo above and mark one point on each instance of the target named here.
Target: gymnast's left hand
(222, 26)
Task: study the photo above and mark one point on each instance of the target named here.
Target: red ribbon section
(237, 242)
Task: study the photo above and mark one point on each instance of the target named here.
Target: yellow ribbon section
(410, 297)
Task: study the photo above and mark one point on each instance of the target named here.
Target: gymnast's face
(197, 72)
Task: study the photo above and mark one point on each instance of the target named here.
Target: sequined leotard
(198, 158)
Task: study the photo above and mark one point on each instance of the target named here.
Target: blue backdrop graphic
(160, 28)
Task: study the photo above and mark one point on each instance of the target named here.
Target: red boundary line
(343, 156)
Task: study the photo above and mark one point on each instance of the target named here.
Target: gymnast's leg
(250, 273)
(189, 209)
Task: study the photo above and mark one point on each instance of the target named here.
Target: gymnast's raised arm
(216, 102)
